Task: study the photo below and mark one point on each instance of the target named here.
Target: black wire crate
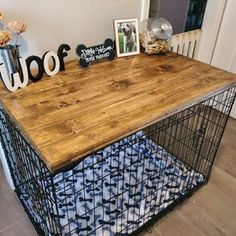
(120, 188)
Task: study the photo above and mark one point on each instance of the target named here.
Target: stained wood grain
(79, 111)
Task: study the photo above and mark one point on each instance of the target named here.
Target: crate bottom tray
(117, 190)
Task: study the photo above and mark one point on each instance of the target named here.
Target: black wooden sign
(95, 53)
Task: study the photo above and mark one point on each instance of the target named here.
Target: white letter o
(56, 68)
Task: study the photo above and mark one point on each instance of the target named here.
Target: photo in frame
(126, 37)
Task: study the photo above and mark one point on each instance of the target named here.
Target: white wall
(224, 55)
(225, 49)
(52, 22)
(210, 29)
(218, 42)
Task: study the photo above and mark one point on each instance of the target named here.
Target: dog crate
(126, 185)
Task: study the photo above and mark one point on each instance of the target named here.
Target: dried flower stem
(17, 37)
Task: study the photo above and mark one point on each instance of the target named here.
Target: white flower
(16, 27)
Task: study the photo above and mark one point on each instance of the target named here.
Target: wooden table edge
(57, 167)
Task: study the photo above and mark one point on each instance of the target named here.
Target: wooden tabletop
(79, 111)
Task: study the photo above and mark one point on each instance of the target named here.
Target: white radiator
(187, 43)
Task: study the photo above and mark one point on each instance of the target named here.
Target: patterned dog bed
(118, 189)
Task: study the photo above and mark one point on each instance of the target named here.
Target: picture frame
(126, 37)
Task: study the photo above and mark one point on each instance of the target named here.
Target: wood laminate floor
(210, 211)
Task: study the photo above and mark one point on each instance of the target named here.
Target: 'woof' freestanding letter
(21, 78)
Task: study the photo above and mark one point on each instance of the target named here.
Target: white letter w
(16, 81)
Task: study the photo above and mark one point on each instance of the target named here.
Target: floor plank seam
(189, 223)
(225, 173)
(11, 225)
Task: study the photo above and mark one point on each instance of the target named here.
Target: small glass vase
(10, 56)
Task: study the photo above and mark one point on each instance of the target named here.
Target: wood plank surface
(79, 111)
